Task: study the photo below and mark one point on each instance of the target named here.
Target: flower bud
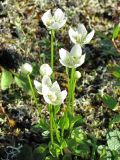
(26, 68)
(77, 75)
(45, 69)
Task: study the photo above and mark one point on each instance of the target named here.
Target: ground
(23, 37)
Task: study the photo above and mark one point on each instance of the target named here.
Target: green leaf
(54, 149)
(116, 74)
(113, 140)
(23, 83)
(40, 152)
(6, 79)
(109, 101)
(116, 119)
(78, 135)
(64, 122)
(116, 31)
(40, 127)
(57, 134)
(56, 109)
(77, 121)
(81, 149)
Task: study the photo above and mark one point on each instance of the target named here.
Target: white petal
(82, 30)
(55, 87)
(64, 94)
(38, 86)
(69, 65)
(62, 23)
(72, 35)
(82, 60)
(59, 15)
(63, 53)
(46, 81)
(45, 92)
(76, 51)
(55, 25)
(47, 16)
(89, 37)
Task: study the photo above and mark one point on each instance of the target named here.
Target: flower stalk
(71, 89)
(33, 92)
(52, 52)
(51, 124)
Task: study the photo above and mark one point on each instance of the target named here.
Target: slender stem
(67, 71)
(71, 90)
(54, 124)
(73, 82)
(33, 92)
(73, 97)
(51, 125)
(52, 52)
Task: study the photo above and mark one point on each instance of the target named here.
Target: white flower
(38, 86)
(72, 59)
(80, 36)
(55, 21)
(26, 68)
(51, 92)
(45, 69)
(77, 75)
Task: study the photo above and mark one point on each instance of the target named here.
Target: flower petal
(72, 34)
(82, 30)
(81, 61)
(47, 16)
(89, 37)
(63, 22)
(55, 25)
(59, 15)
(63, 53)
(55, 87)
(45, 92)
(63, 94)
(76, 51)
(46, 81)
(38, 86)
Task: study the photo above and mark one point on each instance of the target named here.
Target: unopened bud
(45, 69)
(26, 68)
(77, 75)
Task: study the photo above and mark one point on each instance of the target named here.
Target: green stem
(52, 52)
(73, 96)
(32, 90)
(71, 86)
(67, 71)
(51, 124)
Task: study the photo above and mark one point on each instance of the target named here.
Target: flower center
(78, 38)
(52, 96)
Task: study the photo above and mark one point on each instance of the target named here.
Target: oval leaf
(109, 101)
(6, 79)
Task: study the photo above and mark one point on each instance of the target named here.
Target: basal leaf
(109, 101)
(6, 79)
(23, 83)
